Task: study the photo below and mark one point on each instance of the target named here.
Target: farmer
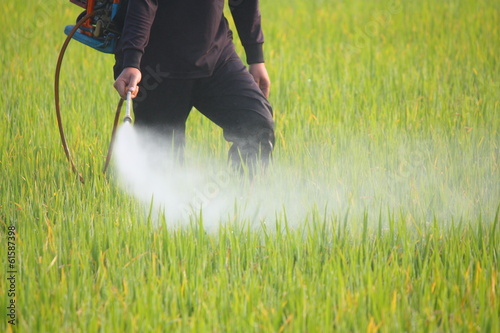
(175, 55)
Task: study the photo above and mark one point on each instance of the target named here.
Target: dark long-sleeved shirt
(186, 38)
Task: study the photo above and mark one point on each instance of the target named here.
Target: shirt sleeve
(136, 30)
(247, 19)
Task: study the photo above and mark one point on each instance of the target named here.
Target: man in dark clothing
(183, 52)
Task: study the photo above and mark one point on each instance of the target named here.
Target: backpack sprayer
(98, 26)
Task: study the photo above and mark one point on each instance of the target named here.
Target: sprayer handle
(128, 118)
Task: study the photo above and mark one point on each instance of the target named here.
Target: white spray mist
(416, 179)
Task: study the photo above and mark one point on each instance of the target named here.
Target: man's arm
(135, 37)
(246, 15)
(247, 19)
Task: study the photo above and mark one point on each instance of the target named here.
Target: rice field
(379, 213)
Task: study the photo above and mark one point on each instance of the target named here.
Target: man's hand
(259, 73)
(127, 81)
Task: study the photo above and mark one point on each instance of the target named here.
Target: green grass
(385, 190)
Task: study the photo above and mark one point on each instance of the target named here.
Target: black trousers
(229, 97)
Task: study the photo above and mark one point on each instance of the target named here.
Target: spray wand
(127, 118)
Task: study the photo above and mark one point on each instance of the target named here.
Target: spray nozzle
(128, 118)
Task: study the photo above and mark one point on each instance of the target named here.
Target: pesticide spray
(419, 182)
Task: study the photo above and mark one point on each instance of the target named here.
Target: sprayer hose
(58, 108)
(113, 135)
